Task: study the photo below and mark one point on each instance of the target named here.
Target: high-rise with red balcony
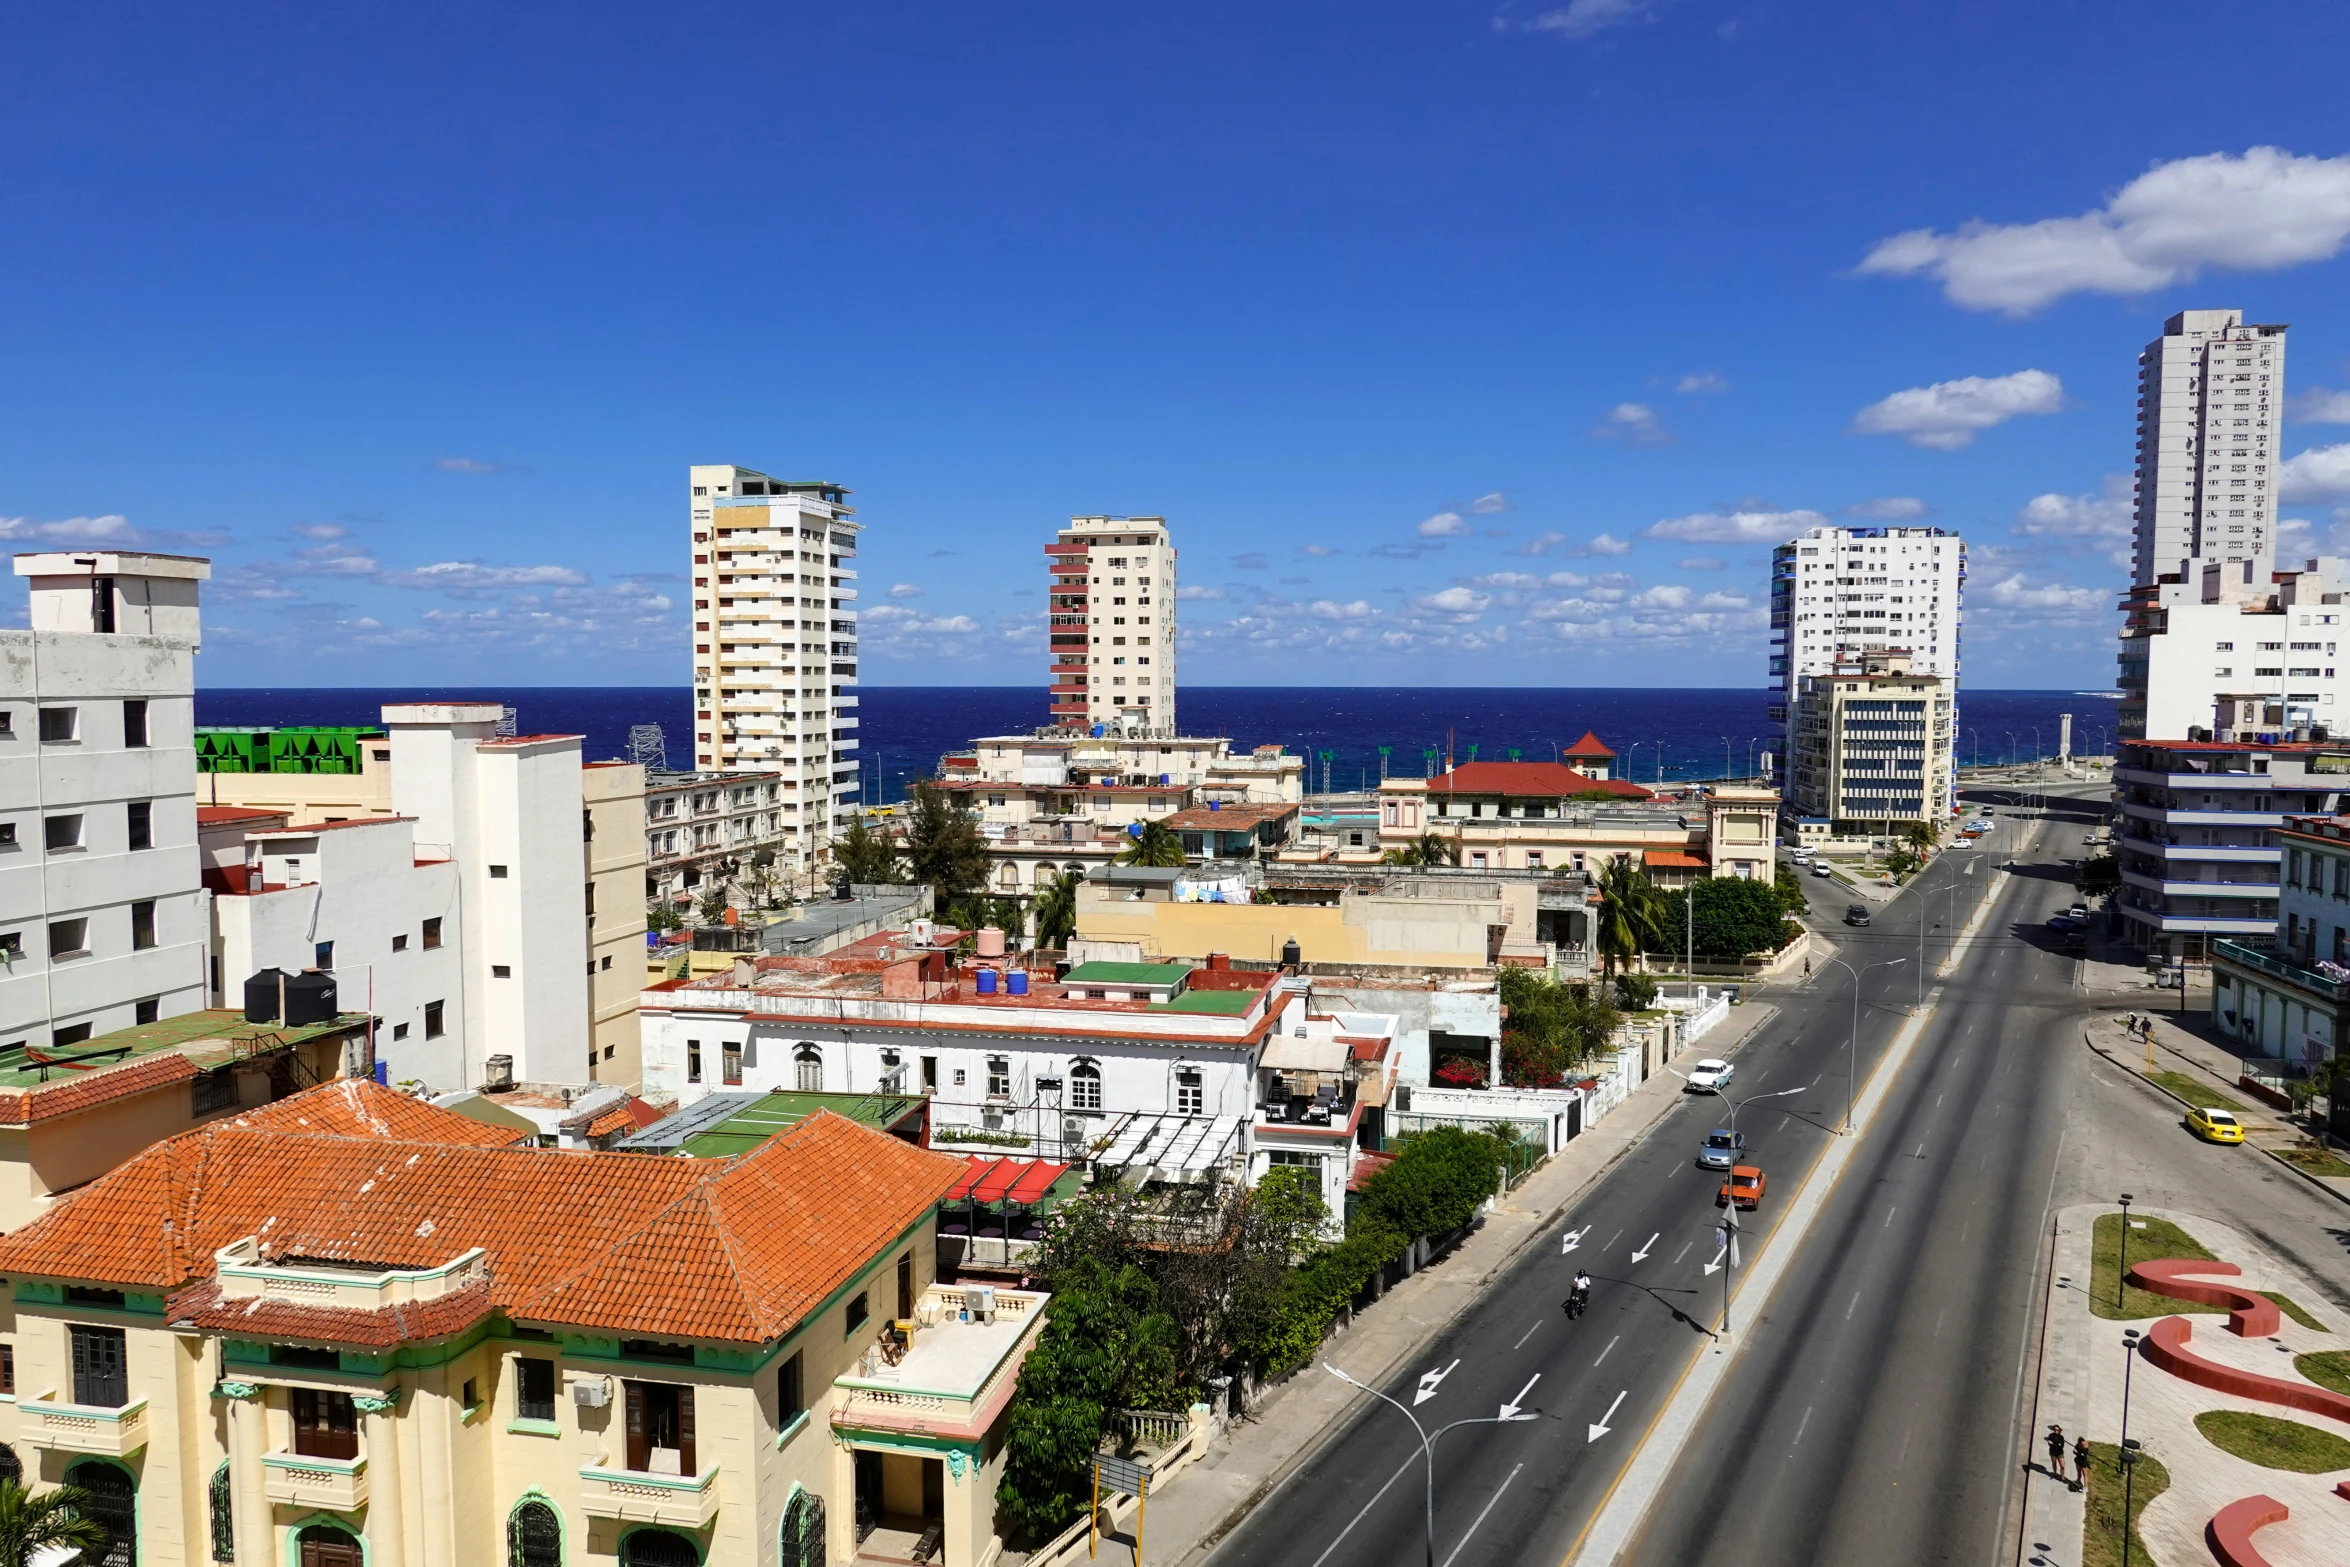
(1111, 625)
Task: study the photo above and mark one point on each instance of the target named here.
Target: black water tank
(261, 995)
(310, 998)
(1289, 954)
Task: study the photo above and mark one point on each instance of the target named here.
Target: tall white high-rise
(1838, 594)
(1112, 624)
(2210, 396)
(775, 644)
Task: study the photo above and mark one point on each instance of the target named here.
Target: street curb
(2281, 1162)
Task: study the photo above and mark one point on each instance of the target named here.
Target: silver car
(1723, 1148)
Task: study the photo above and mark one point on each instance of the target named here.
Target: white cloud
(112, 531)
(1462, 601)
(895, 623)
(1540, 544)
(1487, 505)
(905, 590)
(476, 465)
(2321, 473)
(2104, 516)
(1702, 381)
(1506, 581)
(319, 530)
(1319, 551)
(1890, 508)
(2258, 213)
(1580, 19)
(2017, 592)
(1736, 527)
(1199, 592)
(1606, 544)
(1700, 563)
(1444, 525)
(1329, 609)
(1635, 424)
(2320, 406)
(1665, 595)
(1946, 415)
(473, 576)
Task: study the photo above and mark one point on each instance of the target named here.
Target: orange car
(1744, 1187)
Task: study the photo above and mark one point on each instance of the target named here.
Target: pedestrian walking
(2056, 1451)
(2080, 1463)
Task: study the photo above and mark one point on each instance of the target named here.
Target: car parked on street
(1744, 1187)
(1709, 1077)
(2215, 1126)
(1856, 914)
(1722, 1148)
(1820, 868)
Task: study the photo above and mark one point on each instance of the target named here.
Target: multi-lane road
(1870, 1411)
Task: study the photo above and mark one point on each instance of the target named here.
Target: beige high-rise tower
(2211, 395)
(775, 644)
(1111, 625)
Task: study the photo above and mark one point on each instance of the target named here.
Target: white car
(1709, 1077)
(1820, 868)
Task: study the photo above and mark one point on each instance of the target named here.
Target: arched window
(803, 1532)
(1043, 873)
(113, 1507)
(224, 1533)
(1008, 876)
(808, 1069)
(1085, 1086)
(658, 1548)
(534, 1536)
(11, 1466)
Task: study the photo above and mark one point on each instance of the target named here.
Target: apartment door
(325, 1546)
(326, 1425)
(930, 1074)
(660, 1428)
(906, 1287)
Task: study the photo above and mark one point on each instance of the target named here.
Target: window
(433, 1026)
(11, 945)
(134, 724)
(501, 971)
(145, 1012)
(1085, 1086)
(142, 924)
(325, 1424)
(57, 725)
(497, 873)
(101, 1373)
(808, 1069)
(141, 815)
(1190, 1096)
(399, 1031)
(730, 1061)
(61, 832)
(432, 934)
(999, 1077)
(791, 1396)
(858, 1312)
(113, 1505)
(71, 1034)
(534, 1536)
(322, 954)
(534, 1388)
(693, 1060)
(605, 965)
(69, 938)
(803, 1532)
(660, 1427)
(400, 942)
(216, 1499)
(8, 1369)
(470, 1395)
(7, 835)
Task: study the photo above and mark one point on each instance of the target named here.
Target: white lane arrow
(1600, 1429)
(1509, 1410)
(1573, 1239)
(1429, 1382)
(1715, 1266)
(1642, 1254)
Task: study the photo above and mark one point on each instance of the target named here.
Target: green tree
(1056, 910)
(57, 1519)
(1636, 992)
(1549, 1029)
(2098, 874)
(1438, 1180)
(943, 847)
(1733, 917)
(711, 903)
(1630, 910)
(1902, 861)
(662, 916)
(867, 858)
(1156, 844)
(1424, 853)
(1919, 836)
(1790, 889)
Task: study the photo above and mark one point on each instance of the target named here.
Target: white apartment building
(510, 811)
(102, 908)
(1872, 744)
(357, 899)
(2268, 647)
(701, 825)
(2210, 399)
(1838, 594)
(1112, 625)
(775, 645)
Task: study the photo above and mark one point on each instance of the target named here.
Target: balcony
(637, 1496)
(2188, 887)
(954, 1372)
(301, 1480)
(2280, 966)
(50, 1422)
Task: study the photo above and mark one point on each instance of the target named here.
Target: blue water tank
(1215, 805)
(383, 1073)
(1166, 779)
(1017, 982)
(987, 982)
(1097, 731)
(1134, 829)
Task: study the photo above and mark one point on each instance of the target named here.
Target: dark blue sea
(903, 730)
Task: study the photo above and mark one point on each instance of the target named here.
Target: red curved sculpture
(2249, 1315)
(2166, 1346)
(2229, 1534)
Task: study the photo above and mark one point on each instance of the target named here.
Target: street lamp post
(1509, 1415)
(1730, 1208)
(2122, 1272)
(2129, 1457)
(1852, 1040)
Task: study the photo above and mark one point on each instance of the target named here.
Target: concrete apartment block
(614, 796)
(1112, 631)
(2210, 403)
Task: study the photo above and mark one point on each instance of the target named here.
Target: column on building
(386, 1521)
(248, 1493)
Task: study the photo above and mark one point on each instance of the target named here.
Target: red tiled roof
(362, 1107)
(227, 815)
(405, 1323)
(1529, 780)
(1671, 859)
(631, 1114)
(1224, 818)
(1589, 745)
(738, 1251)
(80, 1090)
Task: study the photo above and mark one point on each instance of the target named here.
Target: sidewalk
(1296, 1416)
(2082, 1378)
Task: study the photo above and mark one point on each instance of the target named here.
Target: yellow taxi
(2215, 1126)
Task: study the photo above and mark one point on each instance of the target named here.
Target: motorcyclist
(1579, 1293)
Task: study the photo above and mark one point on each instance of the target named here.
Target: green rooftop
(1223, 1003)
(721, 1126)
(1163, 975)
(212, 1037)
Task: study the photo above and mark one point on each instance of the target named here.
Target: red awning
(1037, 1181)
(998, 1181)
(980, 1166)
(991, 1179)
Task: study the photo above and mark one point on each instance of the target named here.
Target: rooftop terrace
(209, 1038)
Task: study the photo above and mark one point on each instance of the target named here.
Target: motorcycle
(1577, 1300)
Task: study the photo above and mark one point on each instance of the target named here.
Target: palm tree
(1425, 852)
(1056, 910)
(1631, 913)
(55, 1520)
(1156, 844)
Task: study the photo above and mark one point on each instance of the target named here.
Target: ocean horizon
(1350, 734)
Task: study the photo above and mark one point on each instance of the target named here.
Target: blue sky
(1460, 343)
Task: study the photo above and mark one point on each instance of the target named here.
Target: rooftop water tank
(990, 941)
(261, 995)
(1289, 954)
(310, 998)
(987, 982)
(1017, 982)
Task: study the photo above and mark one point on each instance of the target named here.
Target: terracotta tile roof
(1529, 780)
(1589, 745)
(737, 1251)
(406, 1323)
(80, 1090)
(1671, 859)
(362, 1107)
(228, 815)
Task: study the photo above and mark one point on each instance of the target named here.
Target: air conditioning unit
(591, 1392)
